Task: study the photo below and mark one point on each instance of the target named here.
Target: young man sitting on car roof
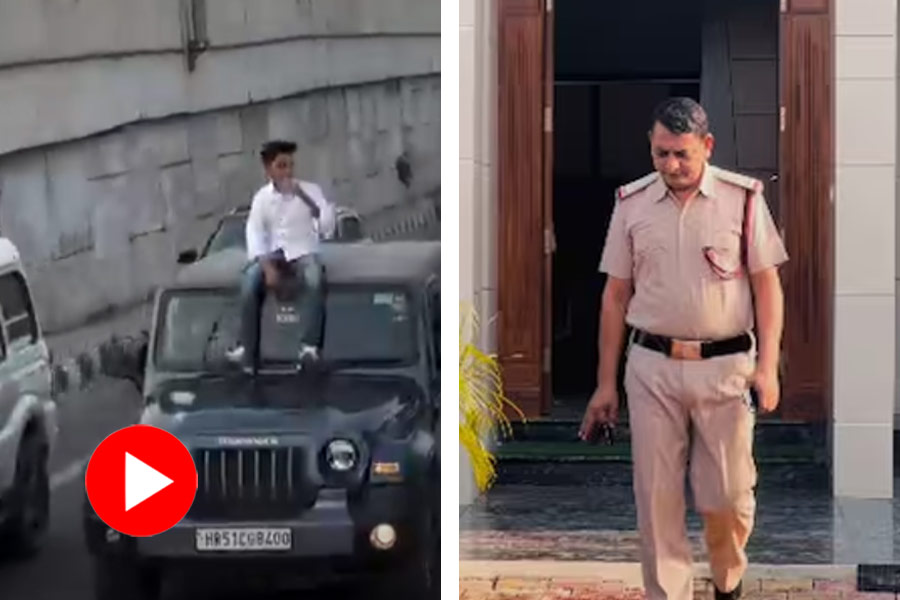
(287, 218)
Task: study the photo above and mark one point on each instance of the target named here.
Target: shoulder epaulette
(748, 183)
(629, 189)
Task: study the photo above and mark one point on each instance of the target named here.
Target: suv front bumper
(327, 530)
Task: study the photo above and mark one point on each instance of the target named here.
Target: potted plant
(482, 402)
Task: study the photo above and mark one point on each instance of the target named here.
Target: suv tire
(122, 579)
(419, 578)
(30, 515)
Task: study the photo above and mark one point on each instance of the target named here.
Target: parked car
(343, 462)
(28, 421)
(230, 232)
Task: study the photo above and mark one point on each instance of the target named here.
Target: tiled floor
(586, 512)
(570, 512)
(550, 589)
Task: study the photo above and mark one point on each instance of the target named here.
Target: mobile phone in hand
(600, 433)
(754, 399)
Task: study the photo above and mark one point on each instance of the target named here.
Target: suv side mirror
(138, 363)
(188, 256)
(349, 228)
(127, 360)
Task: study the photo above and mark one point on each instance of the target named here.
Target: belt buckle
(686, 350)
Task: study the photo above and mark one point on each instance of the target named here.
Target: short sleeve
(765, 248)
(616, 257)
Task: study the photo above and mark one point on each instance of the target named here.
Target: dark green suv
(310, 476)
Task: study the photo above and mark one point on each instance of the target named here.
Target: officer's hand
(602, 408)
(766, 384)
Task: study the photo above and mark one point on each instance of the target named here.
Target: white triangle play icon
(141, 481)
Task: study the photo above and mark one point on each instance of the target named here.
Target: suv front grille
(250, 484)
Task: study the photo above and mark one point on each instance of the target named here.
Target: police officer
(691, 256)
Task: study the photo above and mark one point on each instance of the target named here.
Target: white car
(28, 421)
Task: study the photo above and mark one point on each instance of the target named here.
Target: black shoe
(732, 595)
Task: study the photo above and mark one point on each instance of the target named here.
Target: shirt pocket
(649, 251)
(721, 254)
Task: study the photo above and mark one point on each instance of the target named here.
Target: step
(805, 477)
(766, 432)
(620, 451)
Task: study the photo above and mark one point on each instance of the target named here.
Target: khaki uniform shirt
(685, 261)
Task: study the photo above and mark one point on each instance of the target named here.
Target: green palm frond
(481, 399)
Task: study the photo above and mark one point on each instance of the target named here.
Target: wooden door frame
(549, 228)
(525, 191)
(806, 191)
(522, 207)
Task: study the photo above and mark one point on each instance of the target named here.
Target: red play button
(141, 480)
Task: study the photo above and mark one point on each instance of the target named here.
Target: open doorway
(613, 63)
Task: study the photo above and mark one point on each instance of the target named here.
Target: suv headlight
(341, 455)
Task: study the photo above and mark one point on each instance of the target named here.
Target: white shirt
(284, 221)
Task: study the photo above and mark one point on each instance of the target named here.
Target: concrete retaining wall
(72, 69)
(117, 151)
(100, 220)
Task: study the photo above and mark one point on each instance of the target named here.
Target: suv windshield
(363, 326)
(230, 234)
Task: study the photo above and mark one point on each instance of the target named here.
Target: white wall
(478, 152)
(897, 255)
(866, 275)
(477, 167)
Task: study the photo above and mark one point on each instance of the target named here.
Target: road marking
(70, 473)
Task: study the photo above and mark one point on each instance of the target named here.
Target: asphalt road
(62, 569)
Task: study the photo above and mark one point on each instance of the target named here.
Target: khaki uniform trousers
(698, 413)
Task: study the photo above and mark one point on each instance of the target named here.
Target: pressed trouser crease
(697, 410)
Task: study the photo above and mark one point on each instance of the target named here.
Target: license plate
(287, 317)
(243, 540)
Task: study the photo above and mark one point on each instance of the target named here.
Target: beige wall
(477, 147)
(897, 255)
(477, 196)
(866, 277)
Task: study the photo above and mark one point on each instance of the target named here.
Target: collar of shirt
(274, 192)
(660, 190)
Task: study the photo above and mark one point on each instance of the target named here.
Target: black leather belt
(693, 350)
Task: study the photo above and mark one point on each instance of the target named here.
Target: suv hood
(284, 403)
